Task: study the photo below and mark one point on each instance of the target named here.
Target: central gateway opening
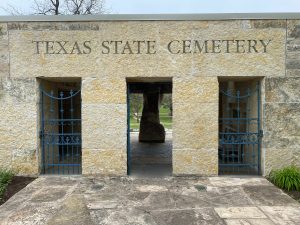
(149, 134)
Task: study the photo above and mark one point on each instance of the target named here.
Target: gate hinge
(41, 134)
(261, 133)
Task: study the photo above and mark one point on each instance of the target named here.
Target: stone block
(282, 119)
(18, 90)
(17, 26)
(293, 72)
(185, 216)
(18, 126)
(42, 26)
(292, 48)
(195, 90)
(104, 162)
(241, 64)
(4, 51)
(24, 60)
(263, 24)
(281, 139)
(195, 125)
(268, 195)
(277, 159)
(195, 161)
(296, 157)
(282, 214)
(25, 161)
(5, 157)
(3, 31)
(4, 67)
(103, 90)
(104, 126)
(240, 213)
(73, 209)
(282, 89)
(276, 140)
(292, 64)
(293, 29)
(249, 221)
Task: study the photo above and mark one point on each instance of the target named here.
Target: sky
(179, 6)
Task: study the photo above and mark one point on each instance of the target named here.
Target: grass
(6, 176)
(287, 178)
(164, 117)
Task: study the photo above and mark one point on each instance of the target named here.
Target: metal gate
(61, 132)
(239, 130)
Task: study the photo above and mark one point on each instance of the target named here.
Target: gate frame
(41, 120)
(128, 128)
(259, 120)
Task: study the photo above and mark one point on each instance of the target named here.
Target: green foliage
(167, 103)
(136, 105)
(287, 178)
(6, 176)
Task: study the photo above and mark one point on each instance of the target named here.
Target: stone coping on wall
(152, 17)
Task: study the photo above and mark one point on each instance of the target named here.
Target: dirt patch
(17, 183)
(294, 194)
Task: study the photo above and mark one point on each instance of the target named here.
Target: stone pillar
(104, 112)
(150, 128)
(195, 126)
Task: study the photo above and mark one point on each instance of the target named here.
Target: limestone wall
(282, 107)
(18, 125)
(195, 87)
(18, 115)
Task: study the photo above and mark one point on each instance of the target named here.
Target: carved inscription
(130, 47)
(218, 46)
(62, 47)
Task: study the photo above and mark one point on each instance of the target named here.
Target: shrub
(287, 178)
(6, 176)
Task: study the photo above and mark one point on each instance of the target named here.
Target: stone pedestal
(150, 128)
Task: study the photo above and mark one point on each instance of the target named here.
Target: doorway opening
(239, 126)
(60, 126)
(149, 122)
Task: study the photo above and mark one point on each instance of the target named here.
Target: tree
(62, 7)
(69, 7)
(136, 103)
(85, 6)
(12, 10)
(47, 7)
(167, 103)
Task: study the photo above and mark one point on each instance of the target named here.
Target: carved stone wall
(195, 86)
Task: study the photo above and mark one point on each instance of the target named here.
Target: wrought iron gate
(61, 132)
(239, 131)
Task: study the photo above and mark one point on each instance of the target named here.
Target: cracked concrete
(79, 200)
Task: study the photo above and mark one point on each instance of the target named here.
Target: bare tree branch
(86, 6)
(12, 10)
(46, 7)
(57, 7)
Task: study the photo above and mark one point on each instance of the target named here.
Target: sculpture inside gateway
(115, 96)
